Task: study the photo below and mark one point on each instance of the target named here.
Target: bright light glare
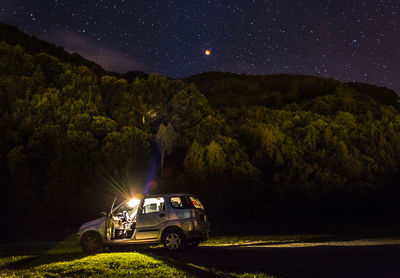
(133, 202)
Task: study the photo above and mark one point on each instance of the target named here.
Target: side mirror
(103, 213)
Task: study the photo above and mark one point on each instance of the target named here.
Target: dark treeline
(253, 148)
(33, 45)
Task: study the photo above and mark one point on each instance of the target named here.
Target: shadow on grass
(227, 261)
(194, 270)
(29, 255)
(42, 259)
(318, 261)
(40, 255)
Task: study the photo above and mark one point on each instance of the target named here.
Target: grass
(11, 260)
(124, 264)
(66, 259)
(101, 265)
(231, 240)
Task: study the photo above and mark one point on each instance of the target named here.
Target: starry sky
(349, 40)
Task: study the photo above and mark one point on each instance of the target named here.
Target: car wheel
(92, 242)
(173, 240)
(192, 244)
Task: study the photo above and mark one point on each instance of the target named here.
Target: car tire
(192, 244)
(92, 242)
(173, 240)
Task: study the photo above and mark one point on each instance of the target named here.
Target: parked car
(175, 220)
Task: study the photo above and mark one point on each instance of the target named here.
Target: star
(257, 37)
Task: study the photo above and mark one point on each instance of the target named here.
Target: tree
(194, 160)
(215, 157)
(311, 137)
(165, 139)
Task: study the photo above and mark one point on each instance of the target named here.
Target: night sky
(348, 40)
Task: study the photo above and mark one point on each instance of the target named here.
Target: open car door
(109, 222)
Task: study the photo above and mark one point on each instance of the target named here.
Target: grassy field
(220, 256)
(132, 264)
(99, 265)
(232, 240)
(66, 259)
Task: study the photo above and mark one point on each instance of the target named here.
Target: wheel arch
(91, 231)
(92, 241)
(171, 228)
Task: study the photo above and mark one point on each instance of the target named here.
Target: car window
(151, 205)
(181, 202)
(196, 203)
(176, 202)
(185, 202)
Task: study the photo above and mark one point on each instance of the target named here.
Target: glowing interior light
(133, 202)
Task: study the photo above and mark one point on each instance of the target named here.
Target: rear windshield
(185, 202)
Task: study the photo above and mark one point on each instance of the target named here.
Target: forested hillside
(33, 45)
(255, 147)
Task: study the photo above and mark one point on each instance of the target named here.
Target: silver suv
(176, 220)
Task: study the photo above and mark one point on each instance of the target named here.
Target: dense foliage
(33, 46)
(253, 146)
